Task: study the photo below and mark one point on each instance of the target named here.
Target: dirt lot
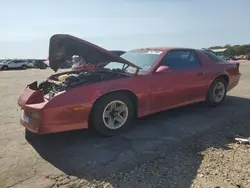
(185, 147)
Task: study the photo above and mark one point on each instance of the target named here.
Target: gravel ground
(186, 147)
(209, 160)
(223, 163)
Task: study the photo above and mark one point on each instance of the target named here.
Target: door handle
(200, 74)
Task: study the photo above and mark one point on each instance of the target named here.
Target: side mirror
(162, 69)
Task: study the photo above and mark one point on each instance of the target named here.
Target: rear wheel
(24, 67)
(4, 67)
(217, 92)
(112, 114)
(44, 66)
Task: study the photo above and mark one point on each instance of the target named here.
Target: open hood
(62, 47)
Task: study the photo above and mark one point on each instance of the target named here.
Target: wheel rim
(219, 92)
(4, 68)
(115, 114)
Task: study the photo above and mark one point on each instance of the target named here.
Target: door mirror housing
(162, 68)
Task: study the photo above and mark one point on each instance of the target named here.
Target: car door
(16, 64)
(11, 64)
(27, 63)
(181, 83)
(20, 63)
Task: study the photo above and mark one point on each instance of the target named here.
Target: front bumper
(32, 104)
(39, 127)
(38, 118)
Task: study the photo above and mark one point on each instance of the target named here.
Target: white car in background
(15, 64)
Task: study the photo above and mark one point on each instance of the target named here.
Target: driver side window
(181, 59)
(17, 61)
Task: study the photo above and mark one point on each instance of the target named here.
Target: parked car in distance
(40, 64)
(140, 82)
(66, 65)
(15, 64)
(43, 64)
(246, 57)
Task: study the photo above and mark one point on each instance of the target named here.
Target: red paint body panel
(155, 92)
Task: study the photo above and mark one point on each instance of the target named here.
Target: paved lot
(37, 161)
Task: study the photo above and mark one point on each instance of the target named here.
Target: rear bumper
(234, 82)
(232, 85)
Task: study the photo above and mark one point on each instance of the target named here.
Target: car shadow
(85, 154)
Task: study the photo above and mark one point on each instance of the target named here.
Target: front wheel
(112, 114)
(43, 66)
(4, 67)
(217, 92)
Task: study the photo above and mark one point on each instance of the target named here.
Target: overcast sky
(27, 25)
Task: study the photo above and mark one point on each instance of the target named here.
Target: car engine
(60, 82)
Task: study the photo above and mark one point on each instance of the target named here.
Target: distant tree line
(234, 50)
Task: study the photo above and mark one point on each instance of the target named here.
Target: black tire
(5, 67)
(33, 137)
(210, 96)
(97, 121)
(43, 67)
(29, 134)
(24, 67)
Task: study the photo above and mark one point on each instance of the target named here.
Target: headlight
(33, 114)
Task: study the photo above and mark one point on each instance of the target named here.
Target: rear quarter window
(214, 57)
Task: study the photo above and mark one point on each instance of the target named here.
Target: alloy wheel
(115, 114)
(219, 92)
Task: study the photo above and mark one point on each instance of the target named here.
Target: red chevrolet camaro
(139, 83)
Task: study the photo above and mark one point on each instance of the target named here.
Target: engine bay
(63, 81)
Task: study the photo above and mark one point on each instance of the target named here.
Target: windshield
(5, 61)
(142, 58)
